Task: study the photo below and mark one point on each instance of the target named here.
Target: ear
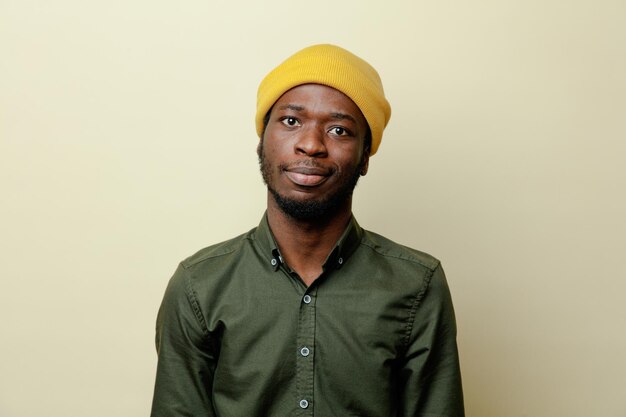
(366, 163)
(258, 148)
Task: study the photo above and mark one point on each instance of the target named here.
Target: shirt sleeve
(186, 361)
(430, 376)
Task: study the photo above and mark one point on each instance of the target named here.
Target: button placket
(305, 353)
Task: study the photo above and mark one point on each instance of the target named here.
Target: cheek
(271, 157)
(276, 148)
(349, 155)
(269, 153)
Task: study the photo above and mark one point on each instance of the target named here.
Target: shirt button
(274, 261)
(304, 403)
(305, 351)
(306, 299)
(340, 260)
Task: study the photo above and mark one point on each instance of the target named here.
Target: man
(308, 314)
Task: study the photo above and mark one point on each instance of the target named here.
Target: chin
(310, 208)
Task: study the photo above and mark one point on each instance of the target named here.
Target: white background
(127, 143)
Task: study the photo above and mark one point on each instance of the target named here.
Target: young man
(308, 314)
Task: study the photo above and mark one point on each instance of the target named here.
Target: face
(312, 152)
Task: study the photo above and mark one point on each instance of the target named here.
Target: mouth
(307, 176)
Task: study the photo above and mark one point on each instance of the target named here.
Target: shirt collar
(344, 248)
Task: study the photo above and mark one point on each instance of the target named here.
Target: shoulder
(408, 270)
(211, 269)
(387, 248)
(219, 251)
(418, 272)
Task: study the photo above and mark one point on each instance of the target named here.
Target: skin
(312, 147)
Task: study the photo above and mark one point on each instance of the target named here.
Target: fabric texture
(334, 67)
(240, 334)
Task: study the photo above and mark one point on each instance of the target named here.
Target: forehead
(317, 97)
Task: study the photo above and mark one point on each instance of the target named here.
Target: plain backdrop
(127, 143)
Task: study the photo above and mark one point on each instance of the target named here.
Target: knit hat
(334, 67)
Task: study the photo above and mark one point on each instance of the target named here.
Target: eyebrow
(334, 115)
(291, 107)
(341, 116)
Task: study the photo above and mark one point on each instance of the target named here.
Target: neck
(305, 244)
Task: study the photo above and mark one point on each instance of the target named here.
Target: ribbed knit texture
(334, 67)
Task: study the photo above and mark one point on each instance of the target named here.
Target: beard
(311, 209)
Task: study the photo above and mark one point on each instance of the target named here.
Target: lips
(305, 176)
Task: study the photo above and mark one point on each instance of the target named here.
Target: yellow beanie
(334, 67)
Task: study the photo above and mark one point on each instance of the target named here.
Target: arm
(186, 361)
(430, 378)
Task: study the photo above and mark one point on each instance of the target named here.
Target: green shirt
(239, 334)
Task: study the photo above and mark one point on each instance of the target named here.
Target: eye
(339, 131)
(290, 121)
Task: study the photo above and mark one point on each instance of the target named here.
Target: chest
(269, 327)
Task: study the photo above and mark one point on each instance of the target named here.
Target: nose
(311, 142)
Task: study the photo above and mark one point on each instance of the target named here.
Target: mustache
(305, 163)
